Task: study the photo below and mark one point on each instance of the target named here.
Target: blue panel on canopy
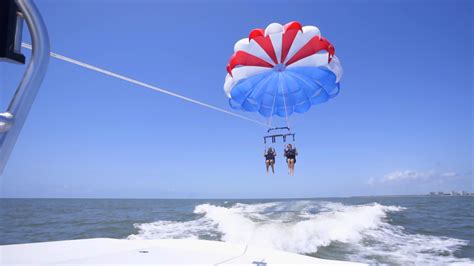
(283, 93)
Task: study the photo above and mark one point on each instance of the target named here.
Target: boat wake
(318, 228)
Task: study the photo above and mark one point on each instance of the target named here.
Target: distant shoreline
(335, 197)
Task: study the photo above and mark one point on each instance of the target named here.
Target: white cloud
(371, 181)
(411, 176)
(449, 174)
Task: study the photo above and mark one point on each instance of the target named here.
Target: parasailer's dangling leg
(273, 166)
(270, 163)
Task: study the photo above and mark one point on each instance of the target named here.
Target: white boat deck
(157, 252)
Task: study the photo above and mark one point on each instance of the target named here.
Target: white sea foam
(303, 236)
(306, 226)
(170, 229)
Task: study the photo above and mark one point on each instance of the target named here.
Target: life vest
(291, 153)
(270, 155)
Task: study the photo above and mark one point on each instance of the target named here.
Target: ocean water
(377, 230)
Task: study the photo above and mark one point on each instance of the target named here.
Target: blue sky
(402, 123)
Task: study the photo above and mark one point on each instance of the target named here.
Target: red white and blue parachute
(281, 70)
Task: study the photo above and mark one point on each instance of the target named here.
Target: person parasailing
(270, 155)
(290, 154)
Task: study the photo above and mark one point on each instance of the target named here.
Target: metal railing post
(13, 119)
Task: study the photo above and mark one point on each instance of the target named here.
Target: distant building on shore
(452, 193)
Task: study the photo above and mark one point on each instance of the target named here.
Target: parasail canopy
(281, 70)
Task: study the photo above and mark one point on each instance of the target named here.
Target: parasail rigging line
(143, 84)
(273, 108)
(284, 104)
